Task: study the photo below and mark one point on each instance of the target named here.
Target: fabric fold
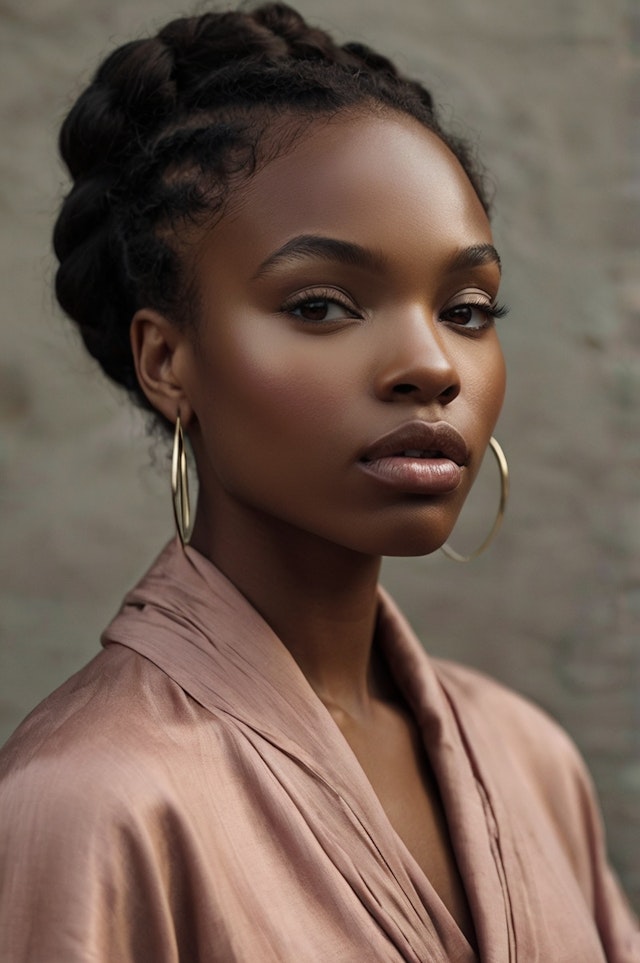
(187, 796)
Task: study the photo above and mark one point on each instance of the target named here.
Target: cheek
(266, 391)
(485, 386)
(497, 386)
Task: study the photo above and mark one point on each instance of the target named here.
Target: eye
(320, 308)
(473, 315)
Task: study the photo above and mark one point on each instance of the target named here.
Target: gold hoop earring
(504, 495)
(180, 485)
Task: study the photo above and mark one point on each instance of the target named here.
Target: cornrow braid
(155, 141)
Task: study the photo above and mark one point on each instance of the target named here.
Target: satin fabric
(187, 797)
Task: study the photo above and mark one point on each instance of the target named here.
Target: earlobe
(157, 346)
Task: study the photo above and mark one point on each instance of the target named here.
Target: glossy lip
(438, 437)
(439, 473)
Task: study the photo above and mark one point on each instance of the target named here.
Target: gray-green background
(547, 89)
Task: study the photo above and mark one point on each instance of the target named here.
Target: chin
(413, 548)
(413, 533)
(408, 541)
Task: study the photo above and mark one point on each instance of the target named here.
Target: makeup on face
(347, 376)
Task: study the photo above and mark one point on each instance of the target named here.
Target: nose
(416, 363)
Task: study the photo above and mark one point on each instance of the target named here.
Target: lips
(417, 458)
(420, 439)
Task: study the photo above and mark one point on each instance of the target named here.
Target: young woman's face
(346, 375)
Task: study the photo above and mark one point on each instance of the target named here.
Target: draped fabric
(187, 798)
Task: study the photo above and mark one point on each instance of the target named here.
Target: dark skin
(304, 354)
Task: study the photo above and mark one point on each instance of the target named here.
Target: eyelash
(491, 310)
(327, 296)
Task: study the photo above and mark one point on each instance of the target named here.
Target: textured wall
(554, 609)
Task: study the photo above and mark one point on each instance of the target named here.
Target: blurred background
(547, 91)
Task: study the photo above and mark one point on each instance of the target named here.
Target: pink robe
(187, 797)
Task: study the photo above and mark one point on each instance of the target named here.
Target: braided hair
(154, 143)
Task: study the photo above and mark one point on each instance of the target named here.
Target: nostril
(450, 392)
(404, 389)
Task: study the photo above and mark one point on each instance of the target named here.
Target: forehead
(379, 180)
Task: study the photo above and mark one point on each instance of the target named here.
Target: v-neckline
(188, 619)
(465, 800)
(425, 891)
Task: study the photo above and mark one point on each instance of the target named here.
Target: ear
(159, 351)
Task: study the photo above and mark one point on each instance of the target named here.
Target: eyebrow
(325, 248)
(346, 252)
(475, 256)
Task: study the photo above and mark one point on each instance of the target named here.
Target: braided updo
(156, 140)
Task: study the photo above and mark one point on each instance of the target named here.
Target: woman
(273, 245)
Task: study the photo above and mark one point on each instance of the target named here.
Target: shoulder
(519, 745)
(115, 688)
(502, 712)
(530, 761)
(116, 733)
(86, 799)
(97, 792)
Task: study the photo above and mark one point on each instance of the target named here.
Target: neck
(319, 598)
